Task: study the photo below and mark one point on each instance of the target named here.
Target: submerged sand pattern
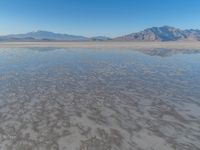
(80, 99)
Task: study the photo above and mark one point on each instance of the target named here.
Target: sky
(96, 17)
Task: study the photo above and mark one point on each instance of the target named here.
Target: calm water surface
(98, 99)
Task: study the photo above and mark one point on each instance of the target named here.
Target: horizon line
(55, 32)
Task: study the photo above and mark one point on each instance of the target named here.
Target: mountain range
(43, 35)
(164, 33)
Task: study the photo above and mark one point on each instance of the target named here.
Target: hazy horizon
(96, 18)
(89, 36)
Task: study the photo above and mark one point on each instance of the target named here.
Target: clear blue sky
(96, 17)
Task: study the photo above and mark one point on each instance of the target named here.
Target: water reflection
(99, 99)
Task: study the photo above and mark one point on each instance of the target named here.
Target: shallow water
(98, 99)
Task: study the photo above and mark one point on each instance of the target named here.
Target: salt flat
(132, 45)
(99, 99)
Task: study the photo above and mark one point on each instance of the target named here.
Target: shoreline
(128, 45)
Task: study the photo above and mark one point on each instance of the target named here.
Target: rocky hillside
(165, 33)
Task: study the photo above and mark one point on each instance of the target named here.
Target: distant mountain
(165, 33)
(44, 36)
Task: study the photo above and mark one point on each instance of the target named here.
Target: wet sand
(130, 45)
